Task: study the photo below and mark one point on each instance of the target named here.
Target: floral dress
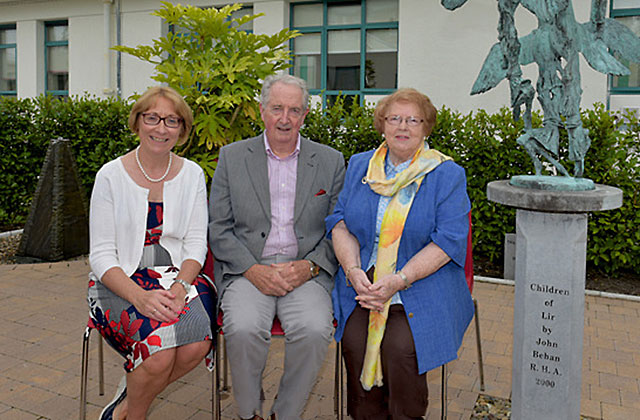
(132, 334)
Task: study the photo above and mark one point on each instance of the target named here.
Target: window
(627, 12)
(8, 81)
(56, 45)
(348, 47)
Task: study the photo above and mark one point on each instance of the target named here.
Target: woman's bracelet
(404, 278)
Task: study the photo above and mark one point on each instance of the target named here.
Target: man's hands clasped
(278, 279)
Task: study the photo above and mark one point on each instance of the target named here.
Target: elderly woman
(399, 231)
(148, 241)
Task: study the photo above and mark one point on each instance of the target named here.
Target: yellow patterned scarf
(402, 189)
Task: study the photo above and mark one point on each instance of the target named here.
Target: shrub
(484, 144)
(347, 127)
(20, 156)
(218, 69)
(97, 129)
(614, 236)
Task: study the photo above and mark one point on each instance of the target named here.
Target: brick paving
(43, 312)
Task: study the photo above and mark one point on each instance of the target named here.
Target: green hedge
(475, 141)
(97, 129)
(614, 159)
(484, 144)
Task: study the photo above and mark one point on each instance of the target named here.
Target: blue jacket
(439, 307)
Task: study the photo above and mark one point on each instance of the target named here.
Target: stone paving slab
(43, 312)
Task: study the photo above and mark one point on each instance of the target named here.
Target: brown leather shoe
(272, 416)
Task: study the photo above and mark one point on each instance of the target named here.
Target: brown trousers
(404, 393)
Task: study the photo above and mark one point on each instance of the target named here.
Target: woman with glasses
(399, 231)
(148, 242)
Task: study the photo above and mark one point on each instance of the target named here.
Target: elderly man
(269, 197)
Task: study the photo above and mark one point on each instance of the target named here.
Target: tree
(218, 68)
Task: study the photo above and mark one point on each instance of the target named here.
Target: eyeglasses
(397, 120)
(170, 121)
(278, 111)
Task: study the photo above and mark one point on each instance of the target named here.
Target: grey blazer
(240, 207)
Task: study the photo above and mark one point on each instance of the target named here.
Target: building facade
(356, 47)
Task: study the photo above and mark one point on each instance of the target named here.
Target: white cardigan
(118, 217)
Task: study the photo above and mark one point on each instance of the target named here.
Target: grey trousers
(306, 318)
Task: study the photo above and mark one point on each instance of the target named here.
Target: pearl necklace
(145, 173)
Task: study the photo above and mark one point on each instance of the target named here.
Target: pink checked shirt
(282, 187)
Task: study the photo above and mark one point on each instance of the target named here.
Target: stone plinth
(603, 197)
(548, 324)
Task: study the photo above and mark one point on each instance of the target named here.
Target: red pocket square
(321, 192)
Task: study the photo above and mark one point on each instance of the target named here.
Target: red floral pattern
(132, 334)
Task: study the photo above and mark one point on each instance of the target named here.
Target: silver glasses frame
(410, 120)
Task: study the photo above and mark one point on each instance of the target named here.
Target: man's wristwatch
(187, 286)
(314, 268)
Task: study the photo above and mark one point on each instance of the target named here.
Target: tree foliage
(218, 68)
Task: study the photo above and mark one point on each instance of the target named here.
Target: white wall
(138, 28)
(30, 63)
(440, 52)
(276, 16)
(86, 59)
(85, 42)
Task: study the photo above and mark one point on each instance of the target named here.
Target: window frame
(48, 44)
(618, 13)
(15, 52)
(323, 30)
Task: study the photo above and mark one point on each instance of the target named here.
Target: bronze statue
(554, 46)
